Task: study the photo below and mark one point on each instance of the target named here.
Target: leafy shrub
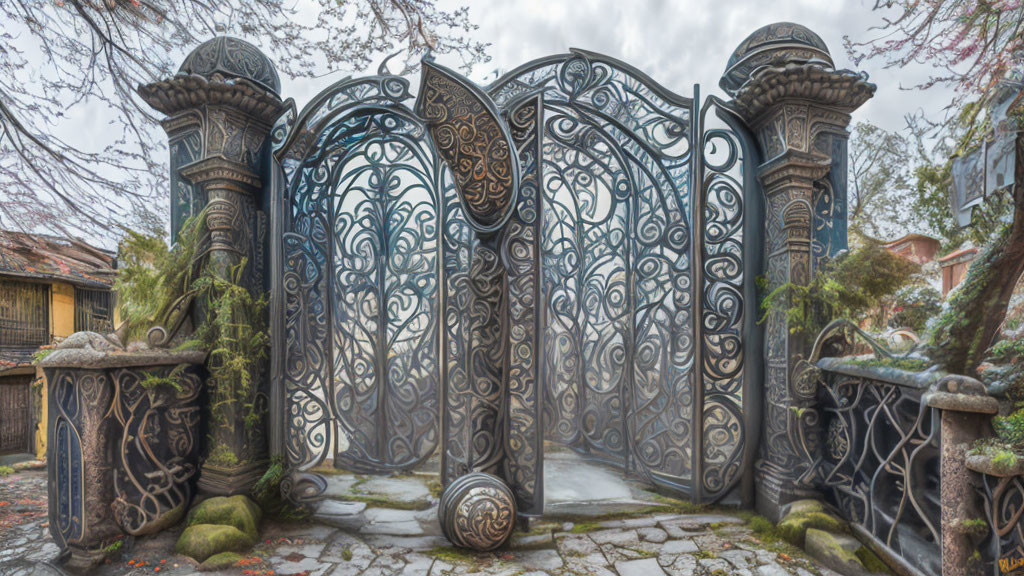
(1010, 429)
(151, 277)
(913, 306)
(851, 286)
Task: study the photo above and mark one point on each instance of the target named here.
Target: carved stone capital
(189, 92)
(814, 81)
(219, 173)
(791, 170)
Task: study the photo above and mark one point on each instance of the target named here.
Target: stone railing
(123, 435)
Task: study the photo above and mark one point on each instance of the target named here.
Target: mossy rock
(221, 561)
(843, 553)
(202, 541)
(807, 514)
(238, 511)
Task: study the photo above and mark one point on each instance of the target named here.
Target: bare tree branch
(66, 62)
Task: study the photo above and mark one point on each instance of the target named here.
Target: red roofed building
(915, 247)
(955, 266)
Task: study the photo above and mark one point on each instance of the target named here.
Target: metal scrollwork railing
(878, 459)
(1004, 512)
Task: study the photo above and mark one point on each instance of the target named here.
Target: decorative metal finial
(383, 69)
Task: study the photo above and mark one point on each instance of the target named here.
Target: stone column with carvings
(220, 108)
(786, 88)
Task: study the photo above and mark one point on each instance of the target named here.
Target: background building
(49, 289)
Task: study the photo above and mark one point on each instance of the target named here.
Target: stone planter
(123, 430)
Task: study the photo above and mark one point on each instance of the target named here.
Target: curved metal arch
(644, 239)
(295, 132)
(319, 407)
(642, 77)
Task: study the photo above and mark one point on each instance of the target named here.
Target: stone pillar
(965, 409)
(787, 90)
(221, 106)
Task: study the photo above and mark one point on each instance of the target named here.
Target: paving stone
(575, 545)
(339, 508)
(618, 537)
(772, 569)
(408, 528)
(676, 531)
(679, 547)
(645, 567)
(389, 515)
(404, 543)
(738, 558)
(630, 522)
(541, 540)
(404, 489)
(539, 559)
(359, 554)
(417, 565)
(591, 564)
(719, 566)
(385, 566)
(682, 565)
(656, 535)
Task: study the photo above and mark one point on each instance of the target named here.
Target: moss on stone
(237, 511)
(202, 541)
(871, 561)
(804, 515)
(221, 561)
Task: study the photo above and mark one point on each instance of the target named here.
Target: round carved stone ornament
(232, 58)
(775, 44)
(477, 511)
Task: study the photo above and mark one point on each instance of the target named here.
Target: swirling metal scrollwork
(1004, 512)
(880, 465)
(637, 356)
(520, 253)
(360, 249)
(620, 189)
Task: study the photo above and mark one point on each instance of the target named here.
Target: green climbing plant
(234, 333)
(232, 328)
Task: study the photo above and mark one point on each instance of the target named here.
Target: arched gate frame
(584, 272)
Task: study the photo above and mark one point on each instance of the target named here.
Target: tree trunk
(977, 308)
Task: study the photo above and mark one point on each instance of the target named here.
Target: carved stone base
(83, 560)
(218, 481)
(775, 491)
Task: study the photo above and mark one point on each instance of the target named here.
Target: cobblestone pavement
(376, 541)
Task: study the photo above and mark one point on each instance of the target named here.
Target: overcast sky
(679, 43)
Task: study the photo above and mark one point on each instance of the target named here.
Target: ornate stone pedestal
(787, 90)
(220, 108)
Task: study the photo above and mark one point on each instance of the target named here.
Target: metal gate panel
(610, 309)
(619, 338)
(360, 259)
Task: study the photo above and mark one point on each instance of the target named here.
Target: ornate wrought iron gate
(588, 276)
